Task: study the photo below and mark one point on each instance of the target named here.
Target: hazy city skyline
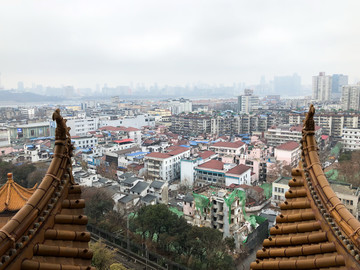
(84, 43)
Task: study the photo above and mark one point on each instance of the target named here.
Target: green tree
(195, 247)
(98, 203)
(103, 257)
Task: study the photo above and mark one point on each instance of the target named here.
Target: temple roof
(49, 231)
(13, 196)
(314, 229)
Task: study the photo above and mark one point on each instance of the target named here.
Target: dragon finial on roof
(309, 124)
(61, 128)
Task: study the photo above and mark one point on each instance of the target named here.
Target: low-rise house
(187, 166)
(159, 189)
(140, 188)
(127, 184)
(240, 174)
(279, 187)
(127, 203)
(219, 173)
(189, 205)
(348, 195)
(86, 178)
(35, 153)
(289, 153)
(149, 199)
(84, 142)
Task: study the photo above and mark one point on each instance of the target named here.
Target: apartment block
(350, 98)
(351, 138)
(331, 124)
(187, 124)
(321, 87)
(282, 134)
(165, 166)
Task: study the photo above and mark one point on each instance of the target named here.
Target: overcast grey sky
(84, 42)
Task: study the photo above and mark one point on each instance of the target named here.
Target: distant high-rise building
(180, 106)
(321, 87)
(247, 102)
(248, 92)
(20, 86)
(287, 85)
(338, 80)
(350, 98)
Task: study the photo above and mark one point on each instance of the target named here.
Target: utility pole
(127, 232)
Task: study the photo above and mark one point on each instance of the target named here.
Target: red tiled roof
(158, 155)
(213, 164)
(288, 146)
(148, 141)
(239, 169)
(123, 141)
(178, 151)
(324, 137)
(111, 128)
(206, 154)
(173, 147)
(128, 129)
(99, 136)
(229, 144)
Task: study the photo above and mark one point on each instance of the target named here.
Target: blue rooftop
(137, 154)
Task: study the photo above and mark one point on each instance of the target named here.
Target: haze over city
(84, 43)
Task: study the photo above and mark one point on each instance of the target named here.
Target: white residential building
(247, 103)
(165, 166)
(215, 172)
(350, 98)
(282, 134)
(289, 153)
(279, 187)
(187, 166)
(321, 87)
(231, 149)
(84, 142)
(33, 153)
(180, 106)
(351, 138)
(82, 126)
(137, 121)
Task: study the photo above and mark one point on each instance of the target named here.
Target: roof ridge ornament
(309, 123)
(61, 131)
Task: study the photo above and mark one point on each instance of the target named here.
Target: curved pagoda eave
(49, 231)
(314, 229)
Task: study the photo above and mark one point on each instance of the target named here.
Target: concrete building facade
(321, 87)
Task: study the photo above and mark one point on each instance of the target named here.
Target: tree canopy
(195, 247)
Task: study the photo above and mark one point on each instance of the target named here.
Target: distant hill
(25, 97)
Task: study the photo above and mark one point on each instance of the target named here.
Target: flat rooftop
(283, 180)
(343, 188)
(208, 191)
